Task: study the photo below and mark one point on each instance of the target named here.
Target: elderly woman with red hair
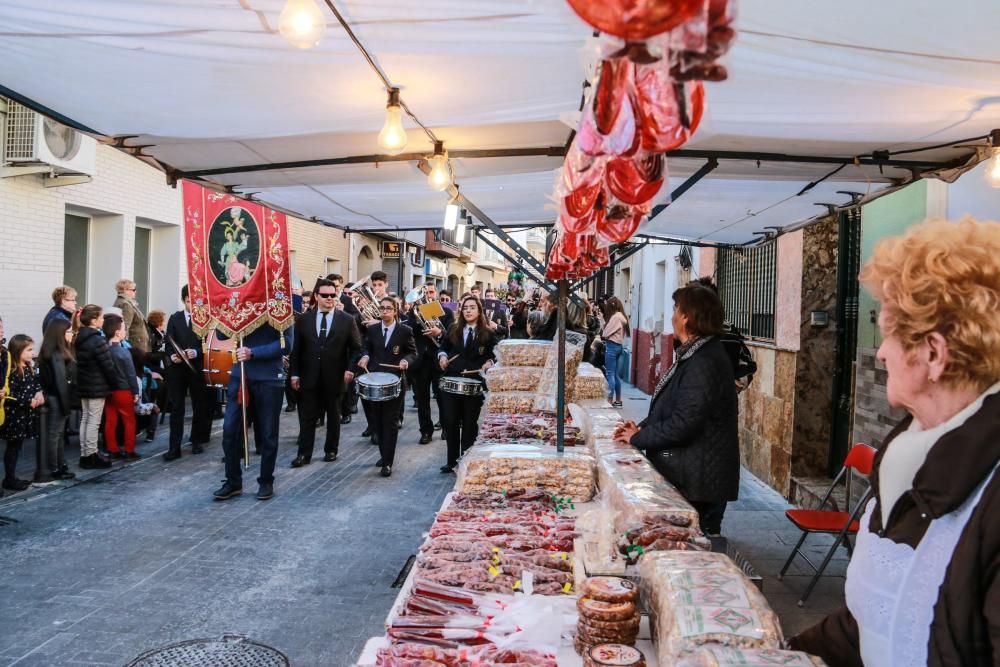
(923, 585)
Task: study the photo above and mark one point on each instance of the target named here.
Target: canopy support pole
(561, 371)
(615, 261)
(516, 262)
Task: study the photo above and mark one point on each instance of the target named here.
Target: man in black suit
(327, 344)
(349, 398)
(388, 347)
(182, 380)
(424, 373)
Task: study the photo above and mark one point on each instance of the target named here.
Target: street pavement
(119, 562)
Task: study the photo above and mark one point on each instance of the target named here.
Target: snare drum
(219, 367)
(378, 386)
(461, 386)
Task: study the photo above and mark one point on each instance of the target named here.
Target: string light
(993, 164)
(450, 215)
(392, 139)
(439, 176)
(302, 23)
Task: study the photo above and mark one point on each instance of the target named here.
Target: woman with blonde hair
(922, 586)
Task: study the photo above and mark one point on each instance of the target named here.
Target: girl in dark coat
(97, 378)
(21, 403)
(57, 376)
(690, 435)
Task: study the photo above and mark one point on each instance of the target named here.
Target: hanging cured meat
(635, 19)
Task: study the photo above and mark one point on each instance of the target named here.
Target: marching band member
(182, 379)
(380, 282)
(425, 372)
(326, 342)
(388, 347)
(260, 356)
(469, 346)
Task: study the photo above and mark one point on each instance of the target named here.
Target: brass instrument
(426, 311)
(365, 300)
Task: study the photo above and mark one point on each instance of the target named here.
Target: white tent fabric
(210, 83)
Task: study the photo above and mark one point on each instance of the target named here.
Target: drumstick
(389, 365)
(471, 371)
(452, 359)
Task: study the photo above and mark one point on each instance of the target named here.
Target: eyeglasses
(386, 308)
(326, 295)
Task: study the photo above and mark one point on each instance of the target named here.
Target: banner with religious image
(237, 259)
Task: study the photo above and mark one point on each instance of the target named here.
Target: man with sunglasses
(327, 345)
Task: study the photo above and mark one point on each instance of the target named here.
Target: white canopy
(211, 84)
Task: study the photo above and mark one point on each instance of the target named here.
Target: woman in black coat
(57, 375)
(467, 349)
(690, 435)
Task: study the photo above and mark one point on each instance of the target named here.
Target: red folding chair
(860, 459)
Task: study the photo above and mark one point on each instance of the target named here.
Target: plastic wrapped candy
(513, 378)
(636, 179)
(503, 467)
(635, 19)
(662, 114)
(516, 352)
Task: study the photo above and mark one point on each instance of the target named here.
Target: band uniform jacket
(400, 346)
(470, 357)
(426, 350)
(314, 361)
(181, 333)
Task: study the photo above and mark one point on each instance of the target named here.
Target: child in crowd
(120, 405)
(21, 402)
(146, 410)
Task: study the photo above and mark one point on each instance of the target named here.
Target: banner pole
(243, 404)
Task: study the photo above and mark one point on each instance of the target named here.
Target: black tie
(468, 337)
(385, 336)
(322, 326)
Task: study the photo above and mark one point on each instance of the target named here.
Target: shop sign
(435, 267)
(392, 249)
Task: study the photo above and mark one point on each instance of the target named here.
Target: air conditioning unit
(32, 139)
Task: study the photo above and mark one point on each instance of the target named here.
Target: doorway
(141, 264)
(76, 255)
(845, 355)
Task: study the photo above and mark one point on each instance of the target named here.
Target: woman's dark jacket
(58, 379)
(96, 373)
(690, 435)
(966, 626)
(519, 323)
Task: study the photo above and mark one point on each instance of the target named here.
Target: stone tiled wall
(767, 409)
(814, 363)
(873, 418)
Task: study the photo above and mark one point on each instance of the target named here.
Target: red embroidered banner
(237, 258)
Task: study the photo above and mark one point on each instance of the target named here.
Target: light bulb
(460, 233)
(302, 23)
(450, 216)
(993, 169)
(439, 177)
(392, 139)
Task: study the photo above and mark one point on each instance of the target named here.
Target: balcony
(442, 243)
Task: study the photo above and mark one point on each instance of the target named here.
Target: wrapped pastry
(502, 467)
(590, 384)
(613, 655)
(505, 402)
(610, 589)
(725, 656)
(513, 378)
(517, 352)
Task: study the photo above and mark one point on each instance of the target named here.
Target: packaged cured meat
(502, 467)
(700, 599)
(410, 654)
(613, 655)
(513, 378)
(610, 589)
(724, 656)
(517, 352)
(521, 428)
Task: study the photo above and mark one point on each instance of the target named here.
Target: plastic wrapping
(700, 599)
(640, 495)
(513, 378)
(505, 402)
(590, 384)
(529, 429)
(546, 399)
(410, 654)
(613, 655)
(504, 467)
(517, 352)
(724, 656)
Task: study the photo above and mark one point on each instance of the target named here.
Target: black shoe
(228, 490)
(425, 438)
(444, 436)
(386, 471)
(290, 408)
(321, 422)
(379, 463)
(197, 449)
(300, 461)
(354, 410)
(437, 425)
(330, 457)
(132, 456)
(94, 462)
(346, 419)
(265, 491)
(16, 484)
(399, 424)
(63, 473)
(117, 455)
(150, 437)
(171, 455)
(447, 469)
(367, 433)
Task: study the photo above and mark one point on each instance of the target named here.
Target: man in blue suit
(261, 357)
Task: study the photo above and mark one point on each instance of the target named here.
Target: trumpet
(365, 300)
(426, 313)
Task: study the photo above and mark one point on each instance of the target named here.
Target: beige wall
(315, 250)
